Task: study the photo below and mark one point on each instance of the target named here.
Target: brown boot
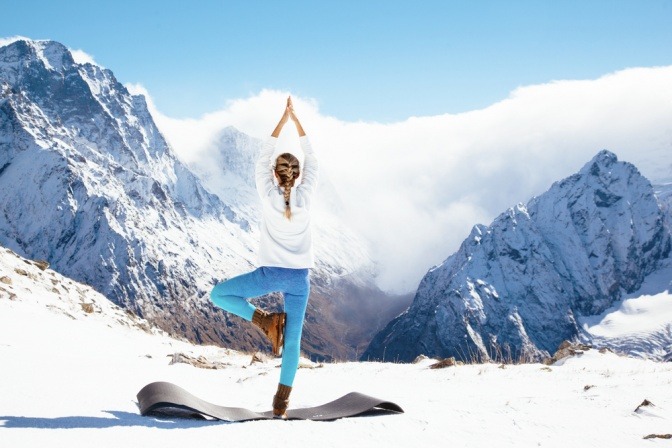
(281, 401)
(273, 326)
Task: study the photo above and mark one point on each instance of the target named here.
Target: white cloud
(10, 40)
(81, 57)
(415, 188)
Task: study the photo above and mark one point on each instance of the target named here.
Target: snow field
(69, 378)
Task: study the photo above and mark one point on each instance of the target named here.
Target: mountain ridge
(514, 289)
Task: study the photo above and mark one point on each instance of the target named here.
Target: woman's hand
(292, 115)
(290, 109)
(289, 113)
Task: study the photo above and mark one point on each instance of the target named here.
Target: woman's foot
(281, 401)
(273, 326)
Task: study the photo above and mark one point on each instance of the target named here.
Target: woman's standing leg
(295, 307)
(296, 300)
(232, 296)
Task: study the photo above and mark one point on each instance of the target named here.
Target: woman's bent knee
(217, 296)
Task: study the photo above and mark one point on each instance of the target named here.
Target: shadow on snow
(119, 418)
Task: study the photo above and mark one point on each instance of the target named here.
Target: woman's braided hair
(287, 170)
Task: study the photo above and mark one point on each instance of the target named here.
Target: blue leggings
(231, 295)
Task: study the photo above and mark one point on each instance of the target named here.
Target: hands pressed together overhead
(289, 113)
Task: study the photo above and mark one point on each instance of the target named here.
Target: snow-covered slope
(28, 287)
(640, 325)
(515, 288)
(88, 183)
(69, 379)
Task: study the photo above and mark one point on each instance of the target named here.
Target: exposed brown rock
(42, 264)
(6, 280)
(448, 362)
(644, 404)
(87, 307)
(567, 349)
(10, 294)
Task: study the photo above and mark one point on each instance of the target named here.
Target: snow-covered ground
(641, 325)
(70, 372)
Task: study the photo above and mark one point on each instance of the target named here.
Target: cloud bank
(10, 40)
(415, 188)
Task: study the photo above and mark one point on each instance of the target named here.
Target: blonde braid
(288, 170)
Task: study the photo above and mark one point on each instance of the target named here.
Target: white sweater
(285, 242)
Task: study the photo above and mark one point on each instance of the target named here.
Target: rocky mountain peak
(51, 55)
(88, 182)
(516, 287)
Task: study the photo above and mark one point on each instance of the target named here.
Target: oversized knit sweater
(285, 242)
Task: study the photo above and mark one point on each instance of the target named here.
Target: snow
(70, 378)
(641, 324)
(636, 315)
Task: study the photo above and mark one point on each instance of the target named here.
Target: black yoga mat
(169, 399)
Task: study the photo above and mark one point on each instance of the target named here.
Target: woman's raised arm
(283, 119)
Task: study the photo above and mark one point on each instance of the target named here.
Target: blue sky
(547, 83)
(361, 60)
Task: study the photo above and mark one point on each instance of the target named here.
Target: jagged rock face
(664, 196)
(514, 289)
(88, 183)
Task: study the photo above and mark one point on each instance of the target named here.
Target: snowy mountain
(88, 183)
(72, 363)
(517, 288)
(641, 324)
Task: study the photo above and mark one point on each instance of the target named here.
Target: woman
(285, 254)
